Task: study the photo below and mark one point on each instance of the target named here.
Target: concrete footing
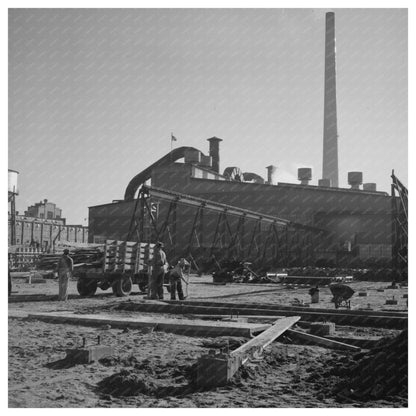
(89, 354)
(216, 369)
(322, 328)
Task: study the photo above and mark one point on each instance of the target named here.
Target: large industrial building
(42, 226)
(306, 224)
(341, 225)
(43, 234)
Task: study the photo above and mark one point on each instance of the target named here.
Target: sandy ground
(289, 375)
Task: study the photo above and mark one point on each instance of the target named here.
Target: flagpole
(171, 145)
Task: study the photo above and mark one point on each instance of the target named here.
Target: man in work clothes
(175, 279)
(158, 272)
(65, 268)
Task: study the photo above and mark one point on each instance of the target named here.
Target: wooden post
(217, 369)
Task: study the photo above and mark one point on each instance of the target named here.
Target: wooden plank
(260, 342)
(178, 326)
(362, 342)
(270, 306)
(321, 341)
(392, 322)
(250, 318)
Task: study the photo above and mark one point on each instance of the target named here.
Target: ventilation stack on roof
(355, 179)
(252, 177)
(324, 183)
(271, 174)
(370, 186)
(192, 156)
(214, 152)
(206, 161)
(330, 155)
(304, 175)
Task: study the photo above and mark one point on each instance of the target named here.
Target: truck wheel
(123, 286)
(87, 287)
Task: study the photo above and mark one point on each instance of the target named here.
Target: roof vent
(271, 174)
(304, 175)
(355, 179)
(371, 187)
(192, 156)
(324, 183)
(206, 161)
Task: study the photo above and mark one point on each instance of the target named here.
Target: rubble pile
(127, 383)
(148, 378)
(380, 373)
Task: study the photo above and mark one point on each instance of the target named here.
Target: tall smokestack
(330, 156)
(214, 152)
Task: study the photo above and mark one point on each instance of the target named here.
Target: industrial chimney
(355, 179)
(304, 175)
(214, 152)
(271, 174)
(330, 155)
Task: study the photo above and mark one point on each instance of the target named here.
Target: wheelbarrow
(341, 295)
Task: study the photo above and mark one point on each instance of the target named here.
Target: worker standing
(65, 268)
(159, 265)
(175, 279)
(314, 292)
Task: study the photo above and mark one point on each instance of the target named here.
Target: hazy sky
(95, 93)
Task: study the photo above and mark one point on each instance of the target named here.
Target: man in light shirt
(65, 268)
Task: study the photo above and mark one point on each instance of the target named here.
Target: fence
(24, 258)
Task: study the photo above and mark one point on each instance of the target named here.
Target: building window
(50, 215)
(41, 215)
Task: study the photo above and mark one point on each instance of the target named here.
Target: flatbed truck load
(124, 264)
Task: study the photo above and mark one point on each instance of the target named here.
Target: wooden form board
(366, 342)
(392, 322)
(269, 306)
(177, 326)
(324, 342)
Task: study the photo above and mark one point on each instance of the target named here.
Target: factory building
(41, 227)
(324, 224)
(44, 209)
(355, 223)
(43, 233)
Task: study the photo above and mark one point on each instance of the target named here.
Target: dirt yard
(161, 365)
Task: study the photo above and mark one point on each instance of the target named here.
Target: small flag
(173, 138)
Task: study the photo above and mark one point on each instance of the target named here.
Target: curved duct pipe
(250, 176)
(144, 175)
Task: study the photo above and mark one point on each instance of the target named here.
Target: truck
(124, 264)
